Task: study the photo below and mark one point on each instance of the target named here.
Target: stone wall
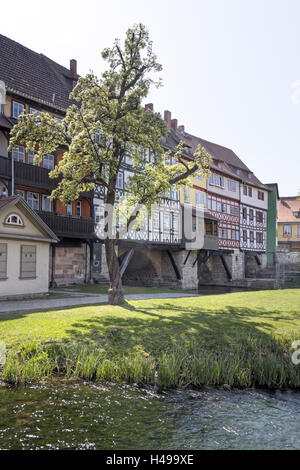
(287, 258)
(71, 265)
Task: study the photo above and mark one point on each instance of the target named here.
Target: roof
(232, 164)
(273, 186)
(11, 201)
(34, 76)
(286, 206)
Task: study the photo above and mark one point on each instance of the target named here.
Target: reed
(253, 361)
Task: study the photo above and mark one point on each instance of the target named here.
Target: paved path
(74, 299)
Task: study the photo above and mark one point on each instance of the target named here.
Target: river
(87, 416)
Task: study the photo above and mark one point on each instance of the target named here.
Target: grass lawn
(102, 289)
(239, 339)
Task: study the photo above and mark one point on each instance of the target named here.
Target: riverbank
(233, 340)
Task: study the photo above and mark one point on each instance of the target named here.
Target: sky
(231, 68)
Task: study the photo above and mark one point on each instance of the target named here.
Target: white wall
(254, 201)
(13, 285)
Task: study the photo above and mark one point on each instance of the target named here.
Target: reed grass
(252, 362)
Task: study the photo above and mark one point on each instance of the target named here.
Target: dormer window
(14, 219)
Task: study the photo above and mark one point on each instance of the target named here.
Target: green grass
(102, 289)
(239, 339)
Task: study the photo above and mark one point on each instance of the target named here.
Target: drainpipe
(86, 262)
(52, 282)
(12, 175)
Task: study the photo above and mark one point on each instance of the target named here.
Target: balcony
(33, 176)
(68, 226)
(5, 168)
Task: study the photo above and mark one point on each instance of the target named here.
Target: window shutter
(28, 262)
(3, 260)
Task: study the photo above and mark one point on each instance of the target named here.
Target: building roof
(286, 207)
(232, 164)
(11, 201)
(34, 76)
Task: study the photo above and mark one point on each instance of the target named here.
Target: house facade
(34, 83)
(289, 224)
(24, 249)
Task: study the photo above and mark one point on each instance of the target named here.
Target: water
(93, 417)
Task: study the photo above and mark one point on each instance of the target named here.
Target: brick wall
(70, 265)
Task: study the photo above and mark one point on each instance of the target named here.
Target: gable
(24, 225)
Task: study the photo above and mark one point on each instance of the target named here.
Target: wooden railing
(33, 176)
(69, 226)
(5, 167)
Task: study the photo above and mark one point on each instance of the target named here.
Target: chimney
(73, 68)
(149, 107)
(167, 118)
(174, 124)
(181, 129)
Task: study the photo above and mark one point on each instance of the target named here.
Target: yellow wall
(294, 236)
(201, 184)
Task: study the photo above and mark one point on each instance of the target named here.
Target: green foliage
(107, 122)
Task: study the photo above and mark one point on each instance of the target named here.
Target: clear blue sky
(229, 65)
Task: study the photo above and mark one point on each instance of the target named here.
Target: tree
(107, 122)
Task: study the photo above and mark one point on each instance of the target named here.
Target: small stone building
(24, 249)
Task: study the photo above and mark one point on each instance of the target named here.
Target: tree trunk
(115, 291)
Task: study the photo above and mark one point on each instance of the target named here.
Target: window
(18, 154)
(28, 262)
(251, 237)
(232, 186)
(17, 109)
(261, 195)
(46, 203)
(78, 208)
(251, 214)
(259, 237)
(166, 221)
(3, 260)
(234, 210)
(245, 213)
(287, 230)
(48, 162)
(120, 180)
(33, 200)
(222, 182)
(245, 190)
(224, 207)
(244, 235)
(249, 191)
(14, 219)
(203, 199)
(57, 119)
(235, 235)
(219, 207)
(259, 217)
(70, 208)
(186, 195)
(34, 111)
(30, 157)
(296, 214)
(197, 198)
(209, 204)
(174, 194)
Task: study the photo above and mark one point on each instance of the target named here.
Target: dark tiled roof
(231, 162)
(33, 75)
